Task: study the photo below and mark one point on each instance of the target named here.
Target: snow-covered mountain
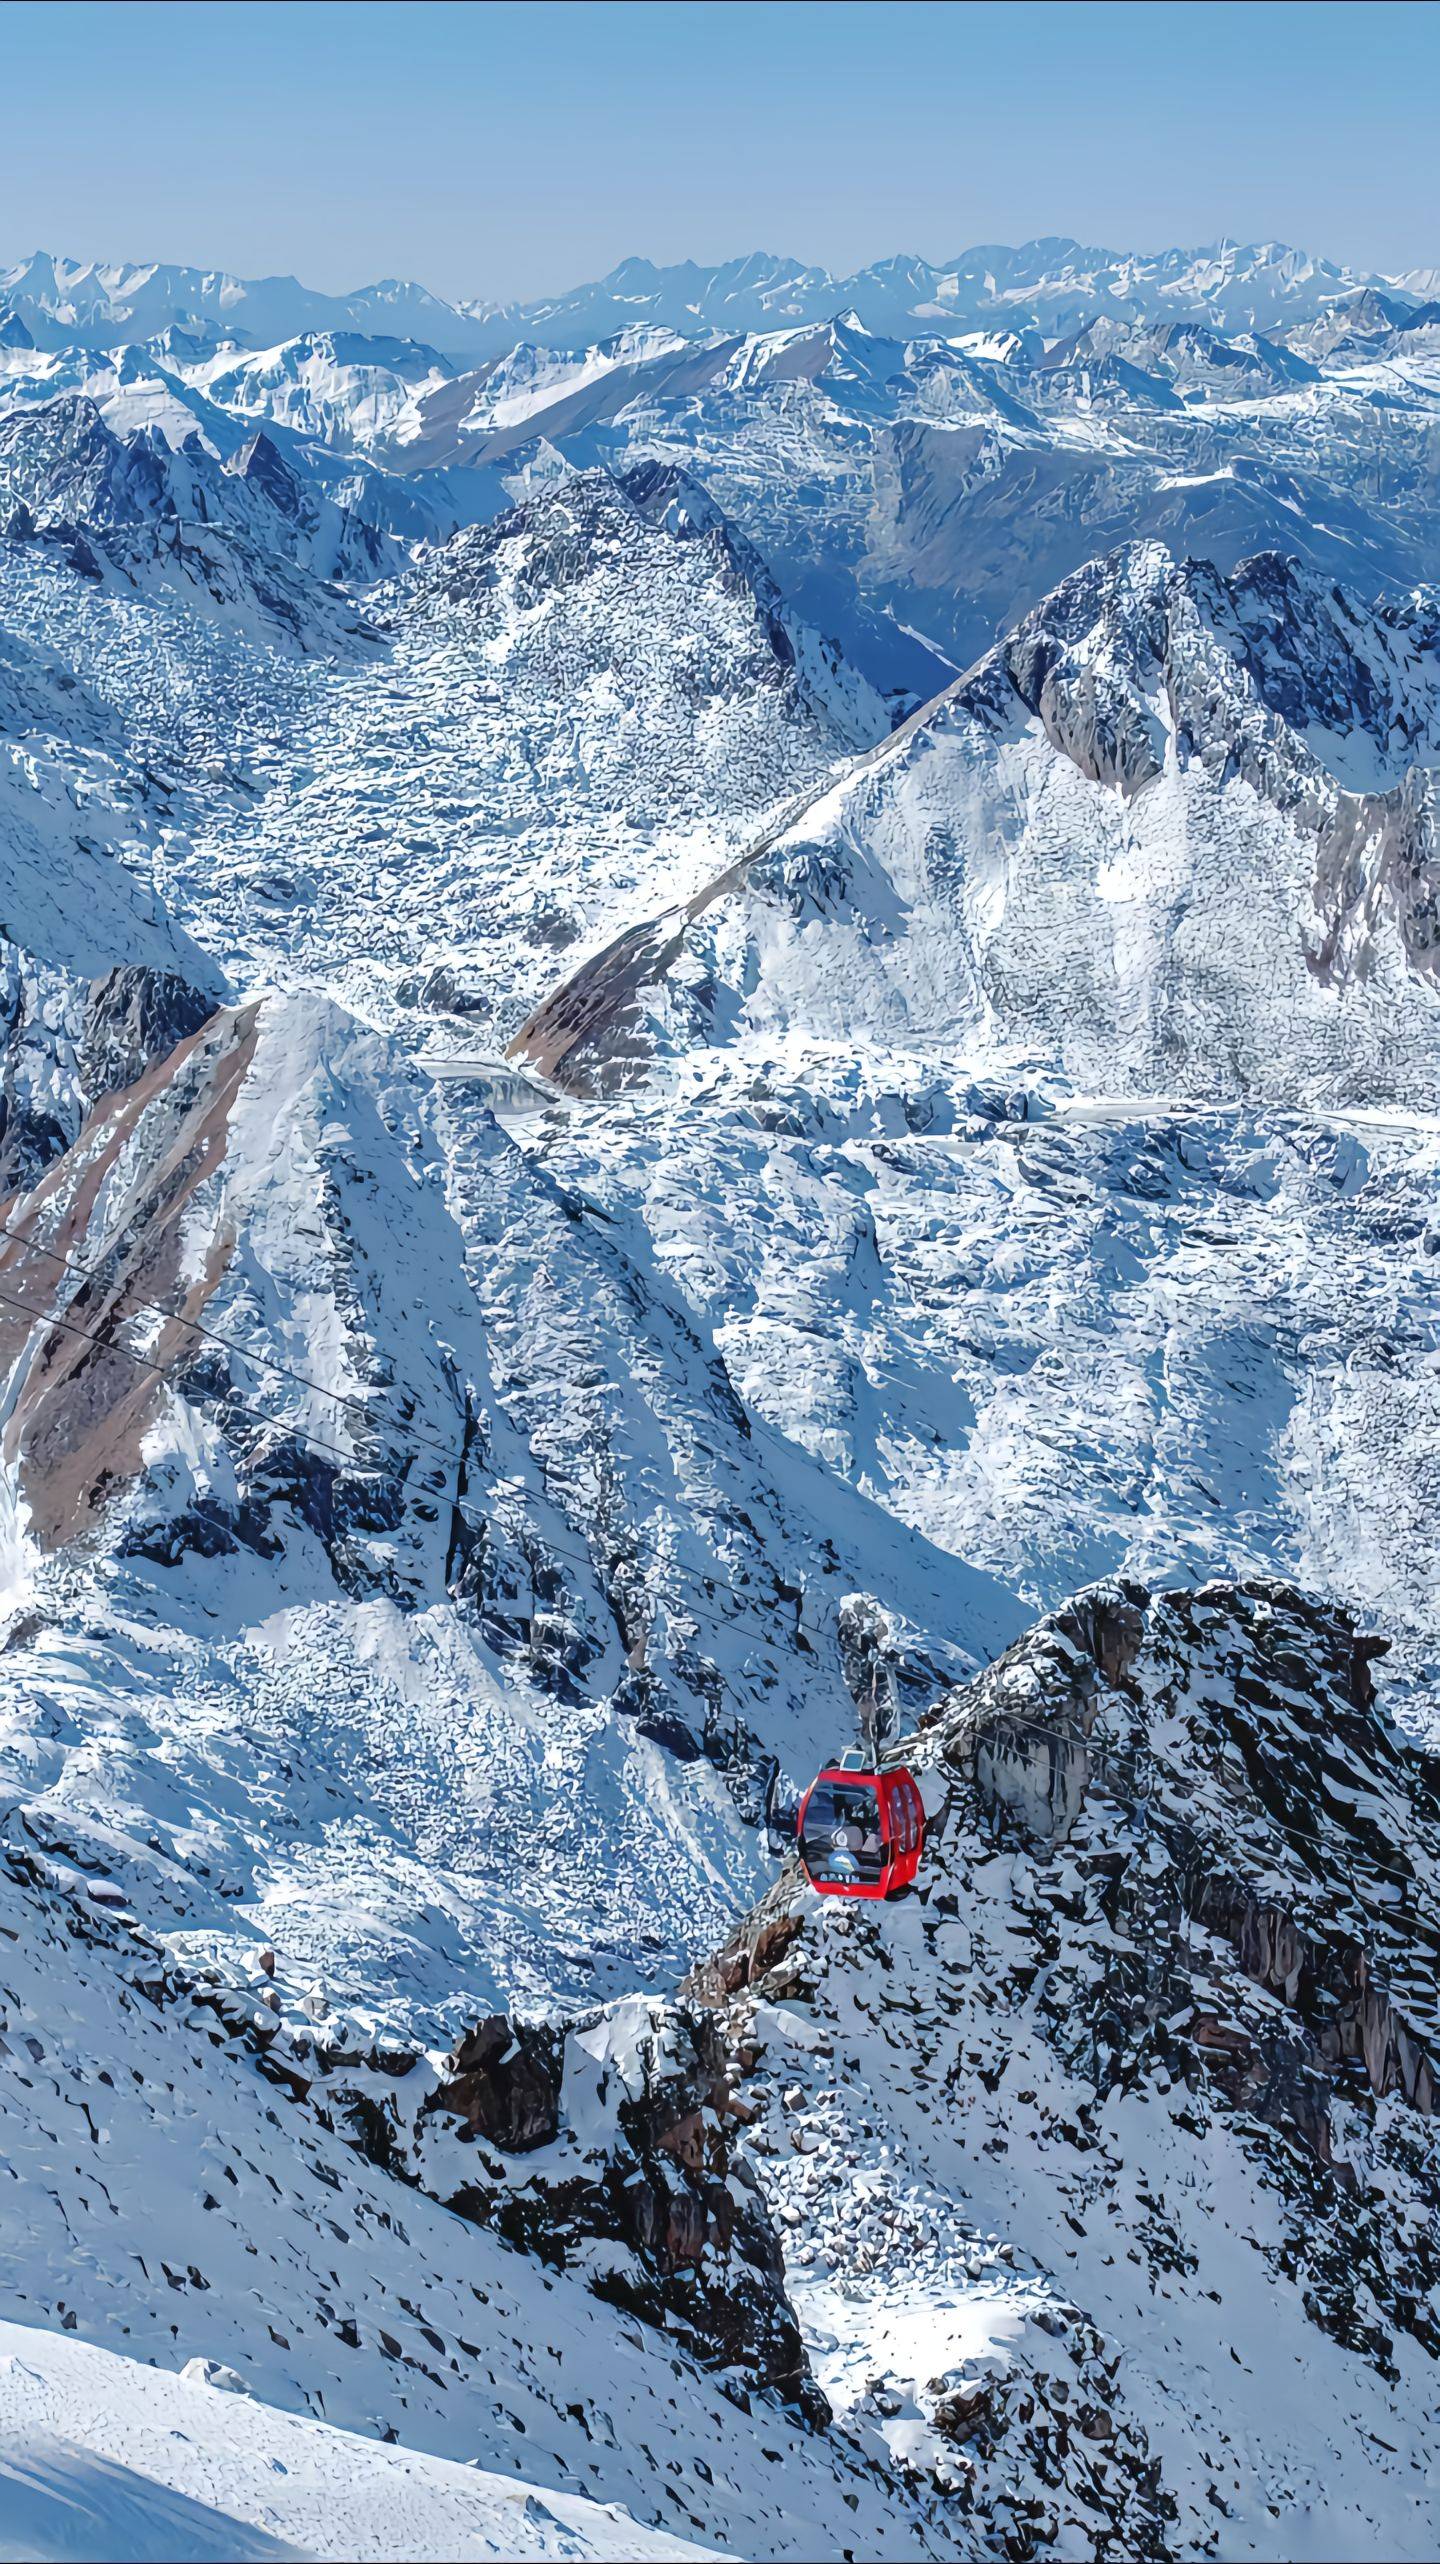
(1175, 834)
(604, 1152)
(980, 1097)
(919, 452)
(253, 538)
(72, 302)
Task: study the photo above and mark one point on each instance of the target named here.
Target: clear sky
(501, 150)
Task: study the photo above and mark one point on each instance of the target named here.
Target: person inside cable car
(842, 1833)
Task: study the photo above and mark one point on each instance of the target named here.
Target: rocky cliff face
(607, 2146)
(1145, 2064)
(136, 1375)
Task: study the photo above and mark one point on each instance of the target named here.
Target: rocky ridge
(1147, 2060)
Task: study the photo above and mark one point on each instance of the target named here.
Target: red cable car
(861, 1833)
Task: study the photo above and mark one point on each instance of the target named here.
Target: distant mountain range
(919, 453)
(1050, 284)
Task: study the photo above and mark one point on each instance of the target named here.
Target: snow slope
(287, 2260)
(102, 2457)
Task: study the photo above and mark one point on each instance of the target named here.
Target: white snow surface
(107, 2461)
(282, 2264)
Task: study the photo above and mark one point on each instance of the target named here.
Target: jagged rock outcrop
(135, 1018)
(65, 1046)
(505, 2082)
(607, 2146)
(1152, 2048)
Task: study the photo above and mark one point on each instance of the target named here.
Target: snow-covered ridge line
(1290, 726)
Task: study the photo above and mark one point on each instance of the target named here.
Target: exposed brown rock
(91, 1356)
(505, 2084)
(652, 2170)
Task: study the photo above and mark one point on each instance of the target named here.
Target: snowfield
(101, 2456)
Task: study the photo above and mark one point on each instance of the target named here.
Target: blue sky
(501, 150)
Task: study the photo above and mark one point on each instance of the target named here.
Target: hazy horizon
(13, 256)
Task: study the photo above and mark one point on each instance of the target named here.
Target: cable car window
(842, 1839)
